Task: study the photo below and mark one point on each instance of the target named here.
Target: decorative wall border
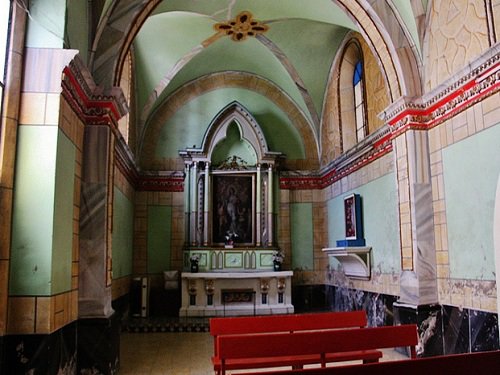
(371, 148)
(171, 183)
(473, 85)
(94, 107)
(124, 161)
(91, 105)
(467, 91)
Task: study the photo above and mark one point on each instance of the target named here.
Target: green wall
(62, 247)
(234, 145)
(188, 125)
(42, 228)
(123, 234)
(77, 27)
(159, 234)
(470, 203)
(380, 222)
(301, 229)
(46, 24)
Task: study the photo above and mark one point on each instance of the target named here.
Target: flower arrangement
(231, 237)
(278, 256)
(194, 258)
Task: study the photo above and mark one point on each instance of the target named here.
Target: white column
(258, 209)
(187, 192)
(194, 202)
(206, 204)
(270, 213)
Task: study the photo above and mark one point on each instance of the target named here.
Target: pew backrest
(316, 342)
(287, 323)
(481, 363)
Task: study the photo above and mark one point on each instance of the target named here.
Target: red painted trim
(332, 176)
(105, 103)
(427, 111)
(167, 184)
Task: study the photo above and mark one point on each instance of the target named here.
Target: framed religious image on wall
(233, 209)
(351, 212)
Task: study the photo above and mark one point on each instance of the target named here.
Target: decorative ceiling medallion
(241, 27)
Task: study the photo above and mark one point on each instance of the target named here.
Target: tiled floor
(182, 353)
(179, 353)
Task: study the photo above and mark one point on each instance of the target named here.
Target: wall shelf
(355, 260)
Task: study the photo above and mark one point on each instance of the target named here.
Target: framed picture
(233, 259)
(351, 208)
(233, 209)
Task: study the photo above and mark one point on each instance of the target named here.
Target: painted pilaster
(270, 224)
(258, 208)
(94, 292)
(187, 190)
(100, 114)
(206, 204)
(418, 301)
(194, 202)
(418, 281)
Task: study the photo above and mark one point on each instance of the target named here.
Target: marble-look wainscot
(236, 293)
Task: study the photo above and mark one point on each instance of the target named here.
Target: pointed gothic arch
(250, 131)
(201, 174)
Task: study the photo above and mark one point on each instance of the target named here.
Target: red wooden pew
(483, 363)
(297, 349)
(288, 323)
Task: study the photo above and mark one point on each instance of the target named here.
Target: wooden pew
(288, 323)
(483, 363)
(297, 349)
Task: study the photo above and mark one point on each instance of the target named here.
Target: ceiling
(177, 43)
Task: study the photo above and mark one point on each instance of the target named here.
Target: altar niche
(228, 188)
(229, 209)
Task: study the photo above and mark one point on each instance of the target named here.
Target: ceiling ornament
(241, 27)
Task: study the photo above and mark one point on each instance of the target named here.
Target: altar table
(236, 293)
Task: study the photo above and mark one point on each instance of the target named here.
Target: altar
(236, 293)
(230, 244)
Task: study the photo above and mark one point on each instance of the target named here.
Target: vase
(194, 267)
(277, 266)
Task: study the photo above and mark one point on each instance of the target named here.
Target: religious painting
(233, 209)
(350, 217)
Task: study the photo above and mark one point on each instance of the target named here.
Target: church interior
(177, 160)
